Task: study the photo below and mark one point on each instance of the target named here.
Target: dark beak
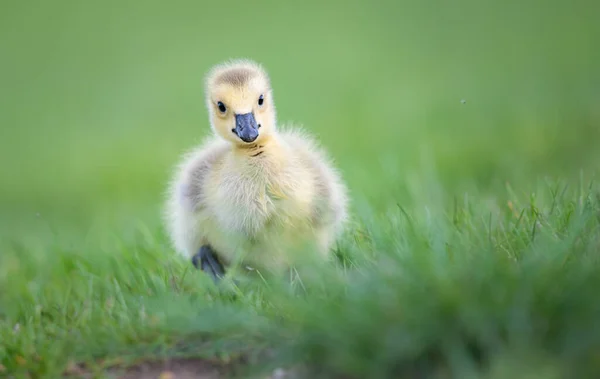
(246, 127)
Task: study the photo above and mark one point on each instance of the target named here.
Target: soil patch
(176, 368)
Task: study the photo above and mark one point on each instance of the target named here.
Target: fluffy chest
(258, 198)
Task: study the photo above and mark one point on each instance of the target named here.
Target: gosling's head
(240, 102)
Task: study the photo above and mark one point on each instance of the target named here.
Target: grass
(475, 233)
(486, 290)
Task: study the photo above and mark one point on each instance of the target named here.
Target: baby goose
(252, 193)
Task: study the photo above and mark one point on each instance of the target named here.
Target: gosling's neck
(269, 156)
(267, 146)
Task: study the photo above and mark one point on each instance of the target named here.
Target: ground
(168, 369)
(468, 136)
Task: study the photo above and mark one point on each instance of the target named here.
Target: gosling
(251, 193)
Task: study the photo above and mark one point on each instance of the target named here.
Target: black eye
(222, 107)
(261, 100)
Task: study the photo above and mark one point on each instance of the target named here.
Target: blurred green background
(99, 99)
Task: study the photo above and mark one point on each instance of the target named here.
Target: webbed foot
(206, 260)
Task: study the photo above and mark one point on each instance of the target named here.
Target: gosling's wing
(189, 183)
(331, 199)
(186, 195)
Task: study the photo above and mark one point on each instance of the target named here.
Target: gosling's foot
(207, 261)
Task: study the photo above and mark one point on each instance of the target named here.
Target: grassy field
(468, 133)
